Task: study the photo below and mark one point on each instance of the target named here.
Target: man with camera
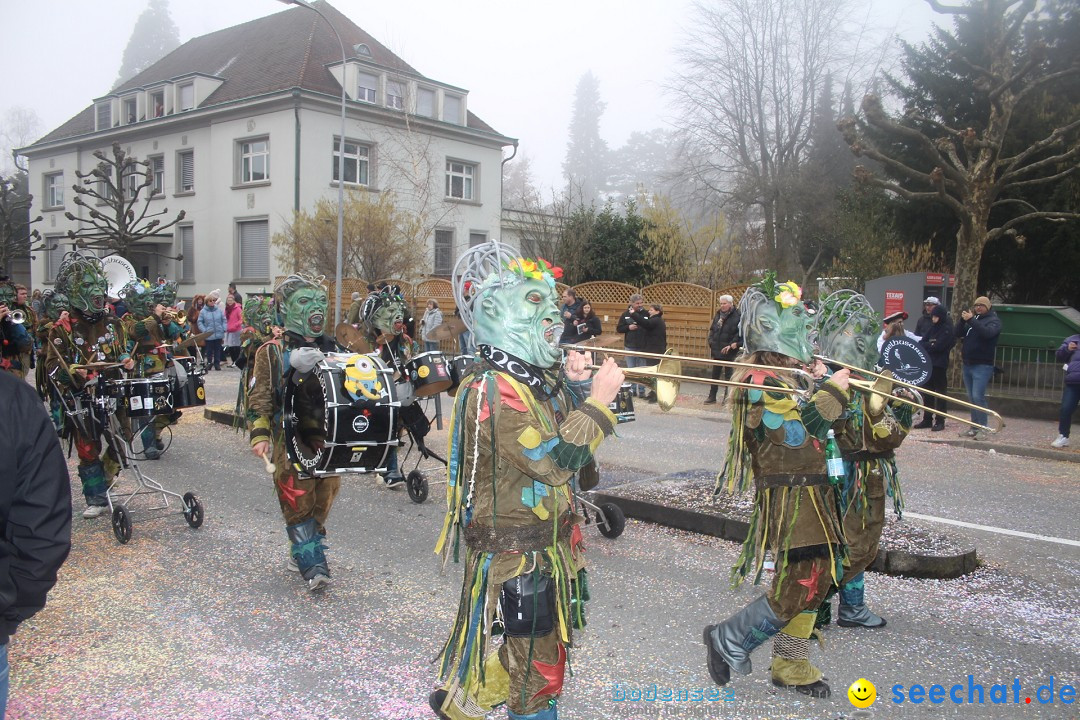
(979, 330)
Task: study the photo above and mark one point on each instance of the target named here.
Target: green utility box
(1039, 327)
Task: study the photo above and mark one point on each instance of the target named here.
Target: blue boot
(731, 642)
(308, 551)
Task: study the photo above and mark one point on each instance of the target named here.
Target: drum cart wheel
(121, 523)
(417, 485)
(193, 510)
(610, 520)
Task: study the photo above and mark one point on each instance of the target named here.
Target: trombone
(667, 375)
(881, 378)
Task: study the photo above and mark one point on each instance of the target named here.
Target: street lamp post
(341, 160)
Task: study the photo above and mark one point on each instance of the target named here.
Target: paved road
(184, 624)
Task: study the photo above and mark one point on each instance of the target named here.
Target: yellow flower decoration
(789, 294)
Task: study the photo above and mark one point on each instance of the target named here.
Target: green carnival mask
(163, 294)
(258, 313)
(138, 296)
(53, 303)
(384, 312)
(520, 318)
(774, 319)
(301, 305)
(82, 279)
(7, 294)
(848, 329)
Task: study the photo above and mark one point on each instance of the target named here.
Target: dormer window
(104, 115)
(131, 111)
(366, 87)
(395, 95)
(186, 96)
(157, 104)
(425, 102)
(451, 111)
(362, 50)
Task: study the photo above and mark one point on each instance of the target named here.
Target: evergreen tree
(155, 36)
(585, 167)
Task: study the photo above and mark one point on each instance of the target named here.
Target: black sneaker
(393, 480)
(710, 401)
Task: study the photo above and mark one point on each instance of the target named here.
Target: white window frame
(360, 160)
(422, 92)
(250, 154)
(467, 173)
(54, 190)
(262, 262)
(443, 251)
(183, 188)
(103, 109)
(185, 240)
(134, 176)
(455, 118)
(395, 100)
(181, 90)
(157, 166)
(129, 109)
(367, 93)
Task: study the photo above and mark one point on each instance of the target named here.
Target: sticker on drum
(135, 402)
(423, 371)
(200, 393)
(360, 424)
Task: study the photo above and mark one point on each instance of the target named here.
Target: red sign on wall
(939, 278)
(894, 301)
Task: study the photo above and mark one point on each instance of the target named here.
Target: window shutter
(187, 247)
(187, 172)
(54, 256)
(254, 249)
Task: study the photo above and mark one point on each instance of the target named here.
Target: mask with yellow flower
(774, 319)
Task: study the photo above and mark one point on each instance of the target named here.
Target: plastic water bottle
(834, 461)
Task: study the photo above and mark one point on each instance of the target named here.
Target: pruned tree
(746, 92)
(956, 143)
(19, 127)
(155, 36)
(17, 239)
(117, 212)
(380, 239)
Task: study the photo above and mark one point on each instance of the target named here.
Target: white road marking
(989, 528)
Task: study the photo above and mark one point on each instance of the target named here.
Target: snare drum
(459, 368)
(357, 401)
(188, 386)
(429, 373)
(623, 407)
(143, 397)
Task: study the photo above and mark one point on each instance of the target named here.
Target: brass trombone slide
(807, 376)
(867, 387)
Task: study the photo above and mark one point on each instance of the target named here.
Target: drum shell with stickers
(429, 374)
(143, 397)
(191, 392)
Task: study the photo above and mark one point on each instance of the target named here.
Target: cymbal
(96, 365)
(195, 338)
(351, 339)
(449, 330)
(603, 341)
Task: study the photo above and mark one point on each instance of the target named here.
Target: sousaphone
(118, 273)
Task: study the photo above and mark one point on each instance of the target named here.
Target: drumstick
(270, 467)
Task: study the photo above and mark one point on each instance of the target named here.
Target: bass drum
(355, 399)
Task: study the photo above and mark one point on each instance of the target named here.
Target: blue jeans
(633, 361)
(3, 680)
(465, 346)
(430, 346)
(976, 379)
(1070, 398)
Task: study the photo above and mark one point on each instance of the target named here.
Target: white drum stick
(270, 467)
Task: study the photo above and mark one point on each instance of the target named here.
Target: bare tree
(978, 171)
(752, 72)
(19, 127)
(17, 239)
(116, 186)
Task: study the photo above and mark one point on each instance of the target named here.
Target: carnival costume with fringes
(518, 435)
(89, 335)
(868, 437)
(305, 501)
(777, 440)
(259, 317)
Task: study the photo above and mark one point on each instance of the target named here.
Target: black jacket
(635, 339)
(939, 338)
(980, 337)
(35, 504)
(591, 326)
(922, 327)
(723, 332)
(570, 324)
(655, 336)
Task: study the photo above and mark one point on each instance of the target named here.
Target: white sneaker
(318, 582)
(1061, 442)
(93, 511)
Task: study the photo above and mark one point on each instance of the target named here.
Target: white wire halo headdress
(481, 268)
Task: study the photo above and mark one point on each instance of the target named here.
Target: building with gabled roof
(242, 127)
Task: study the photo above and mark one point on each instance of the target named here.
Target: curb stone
(889, 562)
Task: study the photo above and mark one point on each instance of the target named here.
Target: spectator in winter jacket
(35, 511)
(633, 323)
(586, 325)
(234, 323)
(655, 339)
(569, 311)
(923, 325)
(431, 320)
(1068, 353)
(724, 342)
(978, 329)
(212, 320)
(938, 341)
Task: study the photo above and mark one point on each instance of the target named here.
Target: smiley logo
(862, 693)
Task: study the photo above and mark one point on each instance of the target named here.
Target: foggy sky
(519, 61)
